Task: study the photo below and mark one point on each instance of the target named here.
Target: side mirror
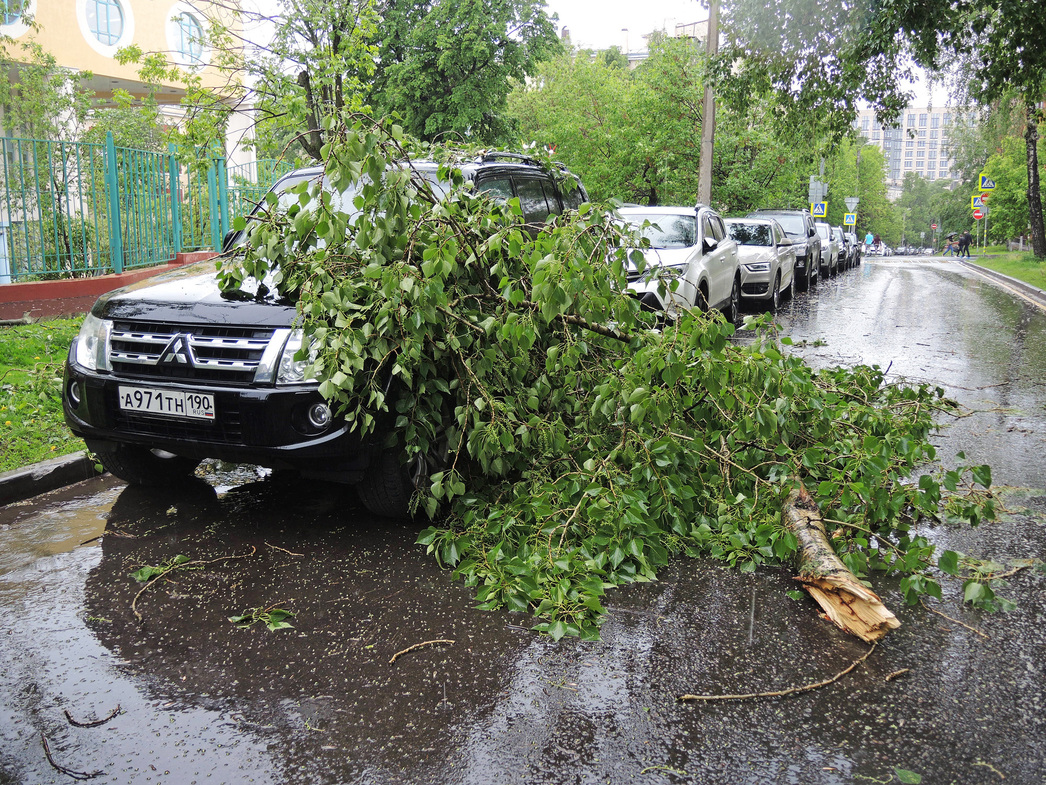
(227, 240)
(710, 244)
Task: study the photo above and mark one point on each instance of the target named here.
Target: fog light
(319, 415)
(74, 393)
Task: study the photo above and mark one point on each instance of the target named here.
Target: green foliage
(46, 101)
(635, 135)
(274, 618)
(32, 427)
(447, 66)
(589, 443)
(1008, 204)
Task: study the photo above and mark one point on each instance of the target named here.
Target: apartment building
(918, 142)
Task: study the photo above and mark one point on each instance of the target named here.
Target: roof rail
(497, 155)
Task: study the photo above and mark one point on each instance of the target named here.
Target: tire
(142, 466)
(803, 282)
(775, 294)
(390, 483)
(735, 302)
(701, 301)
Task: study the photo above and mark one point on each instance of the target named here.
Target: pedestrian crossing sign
(976, 201)
(850, 219)
(819, 209)
(987, 184)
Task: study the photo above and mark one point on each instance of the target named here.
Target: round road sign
(934, 227)
(978, 214)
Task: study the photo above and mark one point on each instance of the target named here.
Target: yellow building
(84, 35)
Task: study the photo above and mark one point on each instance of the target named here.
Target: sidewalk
(20, 484)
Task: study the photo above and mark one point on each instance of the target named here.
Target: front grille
(206, 353)
(755, 288)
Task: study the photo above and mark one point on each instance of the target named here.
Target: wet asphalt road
(203, 702)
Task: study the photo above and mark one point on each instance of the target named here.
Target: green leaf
(974, 592)
(948, 562)
(908, 777)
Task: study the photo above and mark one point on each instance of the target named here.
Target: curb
(20, 484)
(1026, 289)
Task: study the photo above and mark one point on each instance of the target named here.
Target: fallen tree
(845, 600)
(584, 442)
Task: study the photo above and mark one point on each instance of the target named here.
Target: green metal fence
(76, 209)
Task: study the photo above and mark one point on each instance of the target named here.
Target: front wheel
(775, 293)
(735, 301)
(389, 485)
(141, 465)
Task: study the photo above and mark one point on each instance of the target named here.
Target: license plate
(168, 403)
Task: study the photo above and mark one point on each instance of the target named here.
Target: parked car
(830, 250)
(691, 243)
(167, 372)
(844, 252)
(767, 259)
(799, 226)
(856, 248)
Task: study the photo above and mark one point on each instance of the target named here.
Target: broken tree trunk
(844, 599)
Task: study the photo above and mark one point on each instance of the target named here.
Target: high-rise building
(918, 141)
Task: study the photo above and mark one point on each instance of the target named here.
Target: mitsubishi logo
(177, 351)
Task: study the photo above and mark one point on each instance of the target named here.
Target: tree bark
(1035, 219)
(844, 599)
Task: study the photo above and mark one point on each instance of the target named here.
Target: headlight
(92, 344)
(758, 267)
(292, 371)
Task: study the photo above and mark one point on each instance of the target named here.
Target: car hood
(749, 254)
(663, 257)
(191, 295)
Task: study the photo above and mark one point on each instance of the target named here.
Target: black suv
(169, 371)
(799, 226)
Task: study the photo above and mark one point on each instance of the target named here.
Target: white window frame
(126, 35)
(174, 35)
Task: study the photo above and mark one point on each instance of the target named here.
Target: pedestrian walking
(967, 240)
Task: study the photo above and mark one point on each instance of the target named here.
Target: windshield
(825, 232)
(666, 230)
(749, 234)
(792, 224)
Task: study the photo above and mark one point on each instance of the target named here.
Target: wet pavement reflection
(204, 701)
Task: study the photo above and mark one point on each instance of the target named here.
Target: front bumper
(264, 426)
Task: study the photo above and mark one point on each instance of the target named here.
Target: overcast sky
(599, 24)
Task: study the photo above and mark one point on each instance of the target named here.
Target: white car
(830, 250)
(691, 245)
(767, 259)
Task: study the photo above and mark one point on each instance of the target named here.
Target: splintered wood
(844, 599)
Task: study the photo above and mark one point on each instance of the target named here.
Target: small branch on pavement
(91, 723)
(956, 621)
(782, 693)
(173, 567)
(76, 775)
(397, 655)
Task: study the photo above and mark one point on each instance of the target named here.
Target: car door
(785, 252)
(720, 262)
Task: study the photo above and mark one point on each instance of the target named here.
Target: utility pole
(704, 175)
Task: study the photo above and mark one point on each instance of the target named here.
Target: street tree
(446, 67)
(634, 135)
(828, 56)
